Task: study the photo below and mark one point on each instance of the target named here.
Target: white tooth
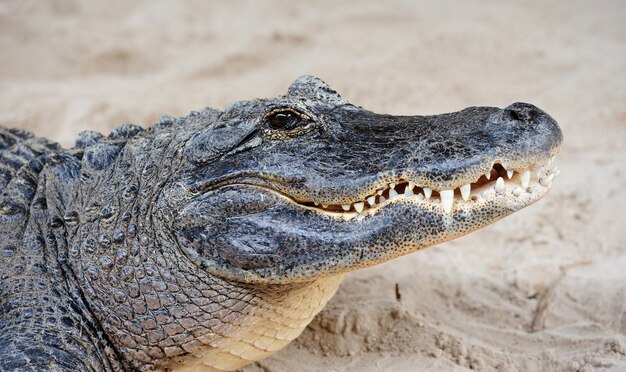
(420, 196)
(546, 181)
(380, 192)
(393, 194)
(525, 179)
(487, 193)
(465, 191)
(427, 192)
(509, 173)
(558, 171)
(348, 216)
(371, 200)
(360, 217)
(382, 199)
(500, 185)
(447, 198)
(316, 203)
(392, 185)
(324, 205)
(518, 191)
(411, 185)
(488, 175)
(346, 207)
(359, 207)
(408, 192)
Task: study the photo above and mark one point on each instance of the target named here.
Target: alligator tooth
(487, 193)
(360, 217)
(316, 203)
(518, 191)
(392, 185)
(348, 216)
(546, 180)
(509, 173)
(382, 199)
(554, 171)
(419, 196)
(380, 192)
(393, 194)
(324, 205)
(371, 200)
(447, 197)
(408, 192)
(427, 192)
(500, 185)
(465, 191)
(525, 178)
(488, 175)
(358, 207)
(346, 207)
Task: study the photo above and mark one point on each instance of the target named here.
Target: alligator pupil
(280, 120)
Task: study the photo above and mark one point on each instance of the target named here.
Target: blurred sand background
(544, 289)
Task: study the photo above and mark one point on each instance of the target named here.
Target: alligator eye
(282, 120)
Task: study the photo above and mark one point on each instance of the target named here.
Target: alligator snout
(529, 130)
(526, 114)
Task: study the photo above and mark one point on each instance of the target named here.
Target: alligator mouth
(498, 182)
(518, 187)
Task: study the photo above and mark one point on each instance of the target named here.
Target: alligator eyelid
(296, 112)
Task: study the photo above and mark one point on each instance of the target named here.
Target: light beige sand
(544, 289)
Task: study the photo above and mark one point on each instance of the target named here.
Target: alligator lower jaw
(524, 187)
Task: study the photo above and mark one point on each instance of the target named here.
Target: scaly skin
(210, 241)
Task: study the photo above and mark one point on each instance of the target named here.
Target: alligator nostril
(523, 112)
(515, 115)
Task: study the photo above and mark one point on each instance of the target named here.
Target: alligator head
(214, 239)
(308, 185)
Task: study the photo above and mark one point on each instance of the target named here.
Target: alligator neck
(277, 317)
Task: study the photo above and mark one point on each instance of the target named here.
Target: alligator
(210, 241)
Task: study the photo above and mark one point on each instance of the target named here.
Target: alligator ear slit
(247, 138)
(206, 146)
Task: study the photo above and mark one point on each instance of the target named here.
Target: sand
(544, 289)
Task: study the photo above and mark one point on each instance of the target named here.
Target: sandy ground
(544, 289)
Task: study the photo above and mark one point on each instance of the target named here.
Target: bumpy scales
(210, 241)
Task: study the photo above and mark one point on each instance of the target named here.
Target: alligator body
(210, 241)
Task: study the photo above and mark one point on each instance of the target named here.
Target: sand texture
(542, 290)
